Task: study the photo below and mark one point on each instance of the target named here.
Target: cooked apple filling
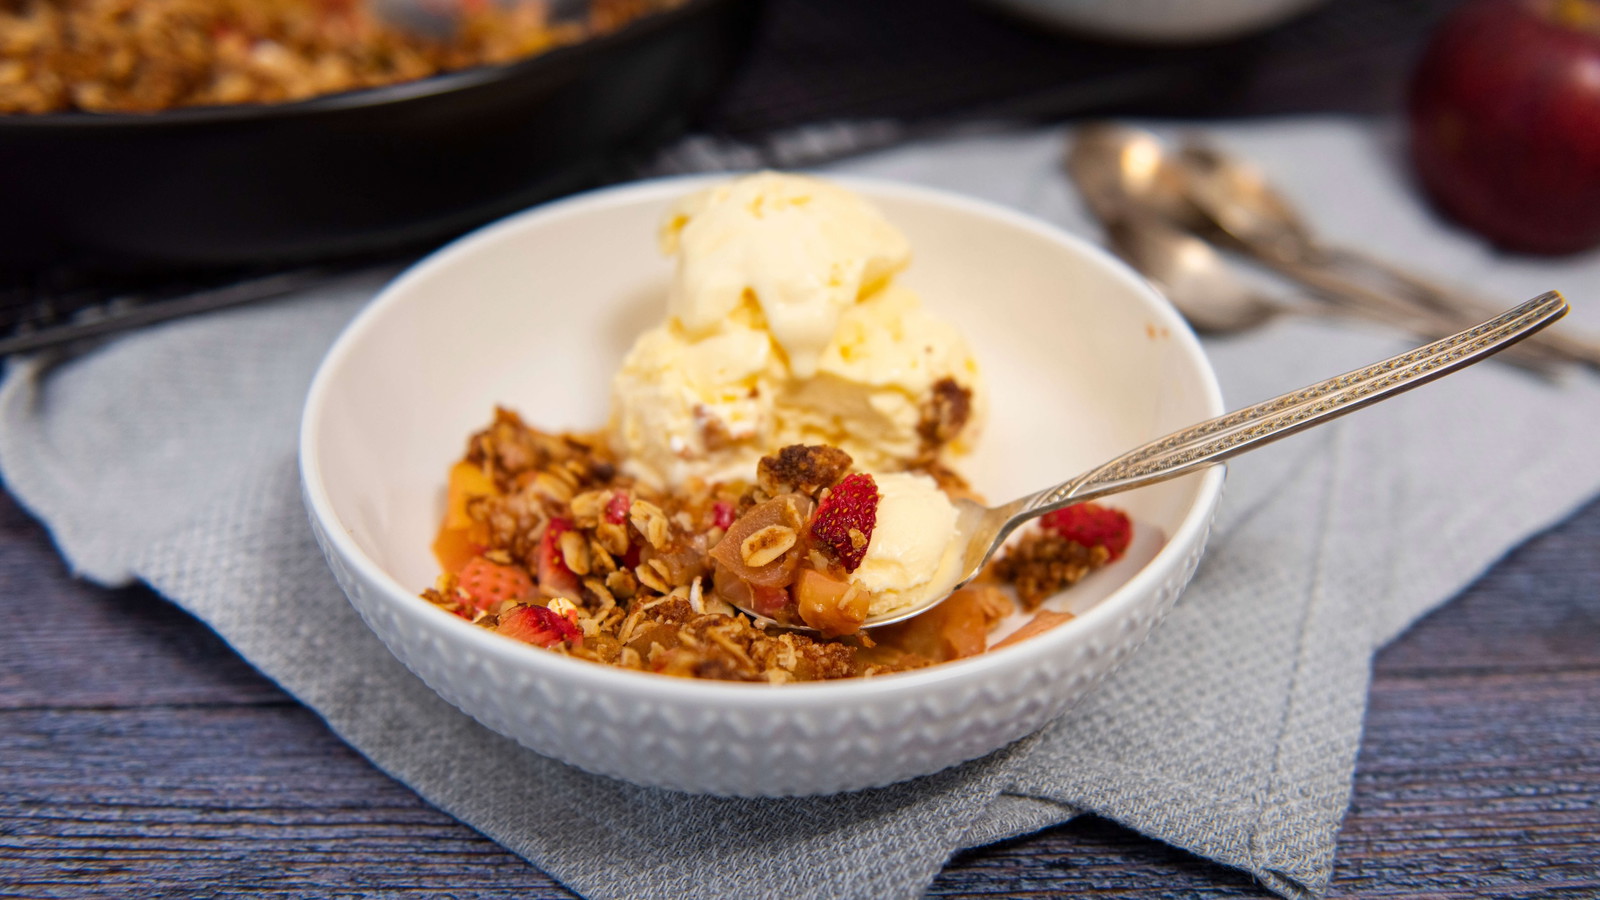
(545, 540)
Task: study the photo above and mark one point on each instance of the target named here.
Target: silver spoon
(1203, 285)
(1200, 189)
(1214, 298)
(1239, 202)
(1127, 179)
(981, 530)
(1234, 201)
(1143, 193)
(1123, 170)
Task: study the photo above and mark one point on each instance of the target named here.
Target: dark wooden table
(139, 757)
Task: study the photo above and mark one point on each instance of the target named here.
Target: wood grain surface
(139, 757)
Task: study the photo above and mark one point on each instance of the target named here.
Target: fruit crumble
(547, 541)
(779, 444)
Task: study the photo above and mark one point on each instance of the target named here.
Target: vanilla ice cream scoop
(913, 555)
(786, 326)
(695, 408)
(801, 249)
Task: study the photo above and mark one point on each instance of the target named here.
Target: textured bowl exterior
(750, 740)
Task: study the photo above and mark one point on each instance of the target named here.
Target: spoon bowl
(1233, 198)
(1197, 188)
(1119, 169)
(1132, 185)
(1198, 280)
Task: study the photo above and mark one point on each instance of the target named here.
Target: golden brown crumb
(944, 413)
(641, 577)
(641, 573)
(804, 469)
(949, 481)
(1041, 563)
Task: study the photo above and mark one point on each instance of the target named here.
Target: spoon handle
(1452, 303)
(1234, 433)
(1395, 306)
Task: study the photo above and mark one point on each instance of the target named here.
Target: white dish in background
(1083, 360)
(1160, 21)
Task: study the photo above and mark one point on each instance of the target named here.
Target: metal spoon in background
(1124, 171)
(1237, 202)
(1194, 277)
(1234, 200)
(1214, 297)
(1128, 175)
(1225, 198)
(1128, 181)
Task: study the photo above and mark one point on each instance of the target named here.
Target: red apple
(1505, 122)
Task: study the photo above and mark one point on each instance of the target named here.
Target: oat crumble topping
(546, 540)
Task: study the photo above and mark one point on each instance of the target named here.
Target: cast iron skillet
(359, 172)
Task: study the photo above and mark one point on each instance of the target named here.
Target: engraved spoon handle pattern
(1234, 433)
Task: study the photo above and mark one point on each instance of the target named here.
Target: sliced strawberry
(541, 626)
(1092, 525)
(555, 578)
(488, 583)
(845, 519)
(617, 507)
(722, 514)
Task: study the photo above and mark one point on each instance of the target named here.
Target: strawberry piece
(555, 578)
(845, 519)
(541, 626)
(1092, 525)
(722, 514)
(617, 507)
(488, 583)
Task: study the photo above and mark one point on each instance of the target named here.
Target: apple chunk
(831, 605)
(955, 629)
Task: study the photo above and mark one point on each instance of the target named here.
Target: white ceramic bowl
(1083, 361)
(1160, 21)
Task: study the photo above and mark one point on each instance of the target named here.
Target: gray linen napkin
(168, 457)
